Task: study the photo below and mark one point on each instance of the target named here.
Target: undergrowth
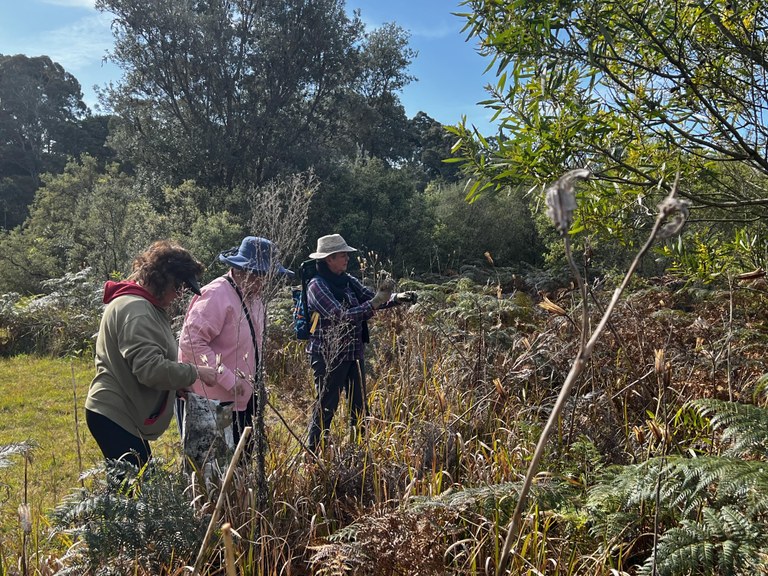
(635, 479)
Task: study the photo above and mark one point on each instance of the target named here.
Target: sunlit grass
(40, 398)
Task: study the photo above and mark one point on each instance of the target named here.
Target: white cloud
(78, 45)
(443, 31)
(72, 3)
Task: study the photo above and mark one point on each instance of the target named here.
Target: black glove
(405, 297)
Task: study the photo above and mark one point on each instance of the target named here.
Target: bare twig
(671, 217)
(77, 425)
(222, 496)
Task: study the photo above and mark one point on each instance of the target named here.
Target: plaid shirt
(340, 327)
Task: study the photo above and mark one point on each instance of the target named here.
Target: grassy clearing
(39, 398)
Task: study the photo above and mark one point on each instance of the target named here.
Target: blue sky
(449, 72)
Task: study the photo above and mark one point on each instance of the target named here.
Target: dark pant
(348, 376)
(116, 442)
(240, 420)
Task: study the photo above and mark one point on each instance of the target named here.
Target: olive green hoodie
(136, 363)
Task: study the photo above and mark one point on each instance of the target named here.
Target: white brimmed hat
(330, 244)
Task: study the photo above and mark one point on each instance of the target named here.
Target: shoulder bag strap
(247, 317)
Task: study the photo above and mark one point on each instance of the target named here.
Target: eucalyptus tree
(40, 109)
(236, 92)
(636, 91)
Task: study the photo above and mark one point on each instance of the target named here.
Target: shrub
(59, 323)
(130, 519)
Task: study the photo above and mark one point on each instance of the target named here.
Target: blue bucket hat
(255, 255)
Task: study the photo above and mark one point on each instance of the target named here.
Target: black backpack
(303, 325)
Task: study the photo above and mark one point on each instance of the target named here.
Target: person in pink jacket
(224, 327)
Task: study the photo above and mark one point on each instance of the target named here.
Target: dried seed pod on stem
(670, 219)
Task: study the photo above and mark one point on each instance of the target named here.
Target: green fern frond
(744, 426)
(714, 480)
(142, 517)
(498, 500)
(724, 542)
(687, 484)
(9, 450)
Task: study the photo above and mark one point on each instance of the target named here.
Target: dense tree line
(43, 122)
(222, 96)
(218, 98)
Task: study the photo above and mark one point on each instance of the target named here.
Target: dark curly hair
(164, 264)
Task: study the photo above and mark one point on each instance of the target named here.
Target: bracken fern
(712, 509)
(138, 518)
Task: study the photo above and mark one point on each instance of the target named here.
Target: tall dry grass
(459, 388)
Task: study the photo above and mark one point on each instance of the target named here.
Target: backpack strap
(247, 317)
(315, 316)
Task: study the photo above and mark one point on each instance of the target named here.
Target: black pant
(116, 442)
(346, 375)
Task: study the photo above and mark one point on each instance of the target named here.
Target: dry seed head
(656, 430)
(659, 363)
(676, 210)
(550, 306)
(561, 199)
(499, 388)
(25, 518)
(441, 400)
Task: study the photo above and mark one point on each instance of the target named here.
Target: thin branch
(661, 228)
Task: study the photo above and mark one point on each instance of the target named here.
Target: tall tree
(232, 92)
(40, 106)
(432, 148)
(634, 90)
(84, 217)
(377, 208)
(374, 119)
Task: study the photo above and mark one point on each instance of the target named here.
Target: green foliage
(744, 427)
(499, 225)
(80, 218)
(723, 542)
(210, 235)
(43, 122)
(236, 93)
(130, 519)
(433, 149)
(377, 209)
(59, 323)
(18, 448)
(636, 94)
(711, 510)
(710, 255)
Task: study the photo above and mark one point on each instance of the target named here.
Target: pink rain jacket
(215, 324)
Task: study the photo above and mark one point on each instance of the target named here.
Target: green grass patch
(40, 398)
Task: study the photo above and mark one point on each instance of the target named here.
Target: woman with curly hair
(129, 400)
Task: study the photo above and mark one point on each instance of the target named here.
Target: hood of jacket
(113, 290)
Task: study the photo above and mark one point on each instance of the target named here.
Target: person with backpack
(340, 306)
(224, 327)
